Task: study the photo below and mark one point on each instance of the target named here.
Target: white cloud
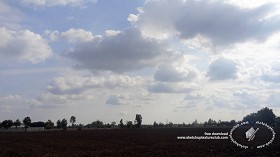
(132, 18)
(112, 32)
(123, 52)
(76, 35)
(23, 45)
(9, 103)
(72, 35)
(79, 84)
(169, 73)
(223, 23)
(51, 3)
(222, 69)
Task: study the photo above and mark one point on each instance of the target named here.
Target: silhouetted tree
(17, 123)
(73, 120)
(232, 122)
(211, 122)
(155, 124)
(277, 121)
(58, 124)
(195, 122)
(64, 124)
(265, 115)
(49, 124)
(121, 123)
(113, 124)
(26, 121)
(251, 118)
(169, 125)
(129, 124)
(37, 124)
(7, 123)
(138, 120)
(160, 125)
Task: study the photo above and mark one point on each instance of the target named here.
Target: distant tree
(155, 124)
(73, 120)
(58, 124)
(97, 124)
(251, 118)
(26, 121)
(17, 123)
(113, 124)
(49, 124)
(107, 125)
(37, 124)
(211, 122)
(265, 115)
(195, 123)
(129, 124)
(80, 126)
(121, 123)
(160, 125)
(138, 120)
(232, 122)
(7, 123)
(169, 125)
(277, 121)
(64, 123)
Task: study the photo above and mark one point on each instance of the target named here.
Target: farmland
(127, 142)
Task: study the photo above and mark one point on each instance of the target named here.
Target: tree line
(265, 115)
(64, 124)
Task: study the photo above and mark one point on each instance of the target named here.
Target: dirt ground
(128, 142)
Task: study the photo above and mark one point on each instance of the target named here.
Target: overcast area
(170, 61)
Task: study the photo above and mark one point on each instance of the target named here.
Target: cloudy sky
(173, 61)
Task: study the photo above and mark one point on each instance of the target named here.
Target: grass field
(127, 142)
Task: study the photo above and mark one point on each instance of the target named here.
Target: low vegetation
(265, 115)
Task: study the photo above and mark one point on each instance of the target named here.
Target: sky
(170, 61)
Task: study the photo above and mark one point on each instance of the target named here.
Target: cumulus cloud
(222, 69)
(169, 73)
(23, 45)
(51, 3)
(220, 22)
(79, 84)
(126, 51)
(76, 35)
(9, 103)
(132, 18)
(72, 35)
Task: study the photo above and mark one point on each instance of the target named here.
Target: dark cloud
(220, 22)
(123, 52)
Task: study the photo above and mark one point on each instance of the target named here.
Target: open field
(128, 142)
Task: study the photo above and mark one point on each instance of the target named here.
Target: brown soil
(127, 142)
